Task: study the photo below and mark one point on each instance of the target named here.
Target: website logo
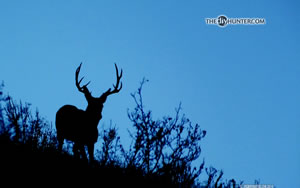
(223, 21)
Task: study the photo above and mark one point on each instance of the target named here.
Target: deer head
(95, 104)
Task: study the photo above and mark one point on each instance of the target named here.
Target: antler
(116, 87)
(84, 88)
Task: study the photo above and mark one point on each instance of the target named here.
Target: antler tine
(86, 84)
(81, 89)
(118, 79)
(116, 88)
(117, 71)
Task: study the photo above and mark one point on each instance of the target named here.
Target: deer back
(75, 125)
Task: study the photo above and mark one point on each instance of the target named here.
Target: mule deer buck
(80, 126)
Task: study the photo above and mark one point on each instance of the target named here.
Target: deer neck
(94, 115)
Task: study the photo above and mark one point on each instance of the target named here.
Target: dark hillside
(161, 153)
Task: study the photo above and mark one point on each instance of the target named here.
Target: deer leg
(75, 151)
(60, 144)
(91, 152)
(82, 152)
(60, 141)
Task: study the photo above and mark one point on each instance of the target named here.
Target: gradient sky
(240, 83)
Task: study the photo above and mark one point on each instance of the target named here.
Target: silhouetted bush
(24, 127)
(166, 146)
(111, 147)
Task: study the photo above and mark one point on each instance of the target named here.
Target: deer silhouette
(80, 126)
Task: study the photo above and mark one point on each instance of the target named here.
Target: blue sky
(240, 83)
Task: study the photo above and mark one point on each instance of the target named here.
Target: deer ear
(108, 90)
(85, 89)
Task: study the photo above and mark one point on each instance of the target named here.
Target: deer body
(80, 126)
(76, 125)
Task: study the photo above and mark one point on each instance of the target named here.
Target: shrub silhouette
(166, 146)
(24, 127)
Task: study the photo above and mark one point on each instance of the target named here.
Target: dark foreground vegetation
(161, 154)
